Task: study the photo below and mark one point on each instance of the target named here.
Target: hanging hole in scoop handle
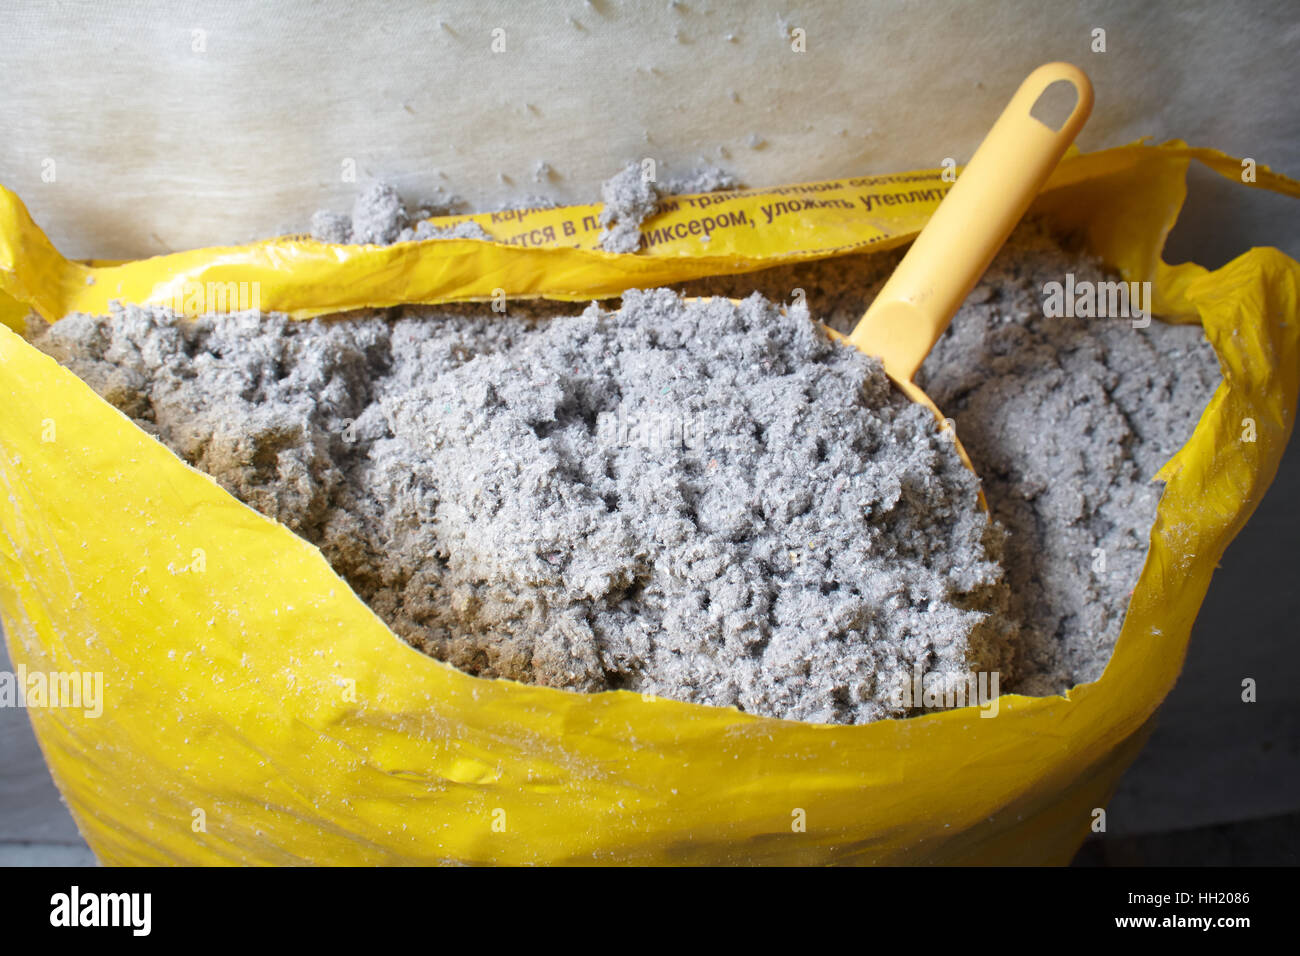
(973, 220)
(1055, 104)
(1059, 97)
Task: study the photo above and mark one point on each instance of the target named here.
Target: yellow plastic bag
(255, 711)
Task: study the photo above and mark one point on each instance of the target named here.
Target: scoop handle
(970, 225)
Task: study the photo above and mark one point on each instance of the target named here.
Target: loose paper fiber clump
(702, 500)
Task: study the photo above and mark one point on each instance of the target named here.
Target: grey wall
(158, 146)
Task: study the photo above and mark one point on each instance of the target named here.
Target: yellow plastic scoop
(971, 224)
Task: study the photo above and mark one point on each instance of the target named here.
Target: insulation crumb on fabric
(631, 196)
(380, 217)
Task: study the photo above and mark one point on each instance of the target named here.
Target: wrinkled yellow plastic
(257, 712)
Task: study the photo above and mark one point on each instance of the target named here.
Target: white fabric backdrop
(157, 145)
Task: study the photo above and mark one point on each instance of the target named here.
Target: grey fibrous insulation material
(702, 501)
(709, 502)
(379, 216)
(1067, 421)
(632, 196)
